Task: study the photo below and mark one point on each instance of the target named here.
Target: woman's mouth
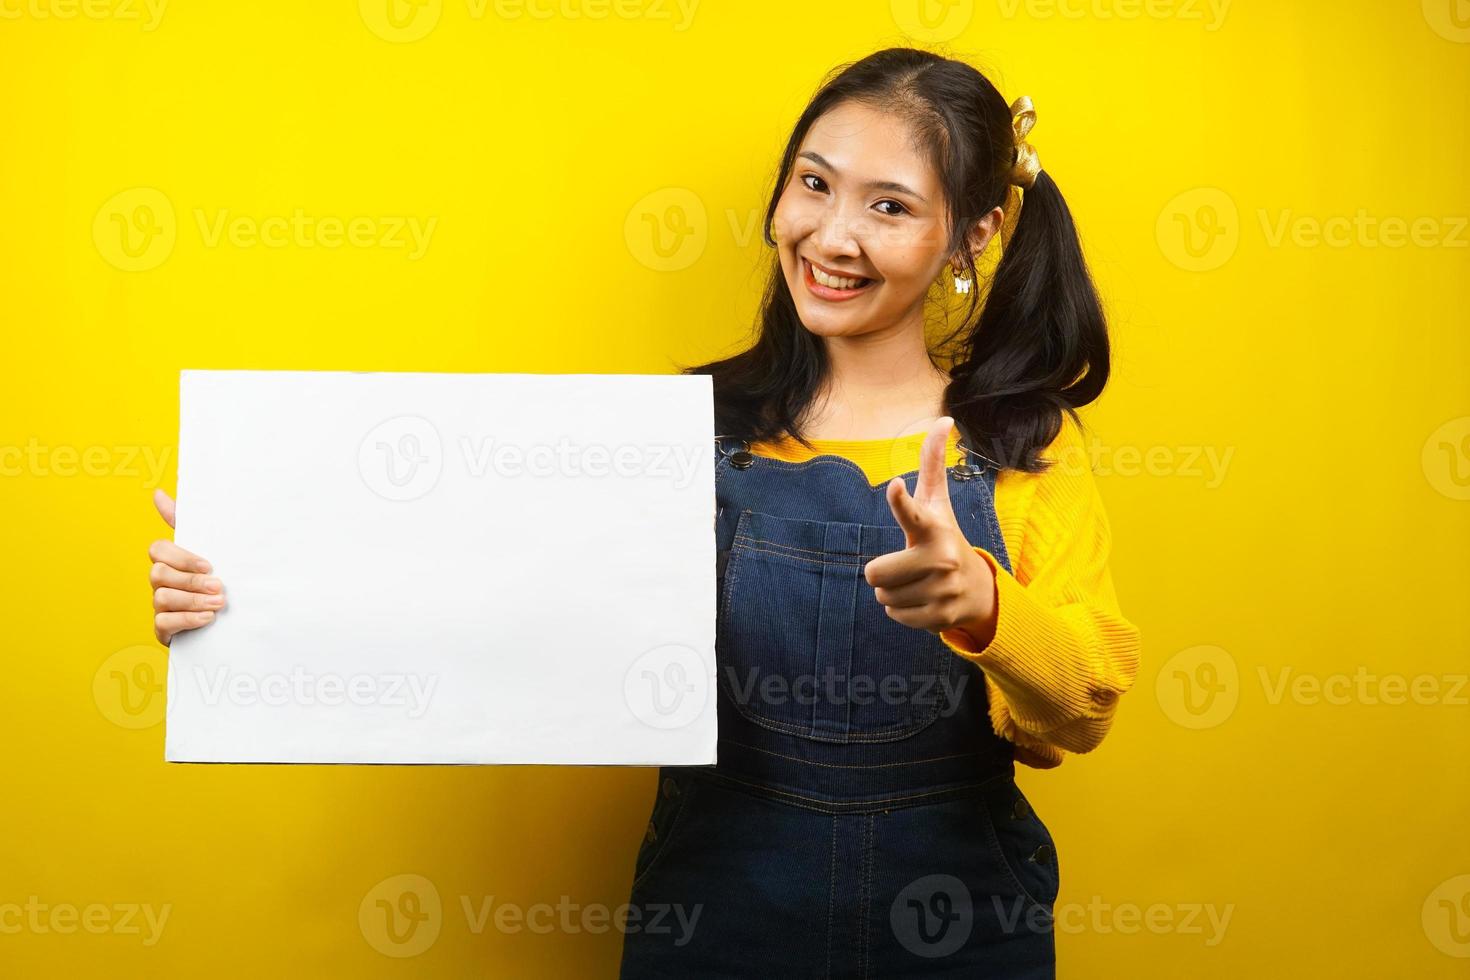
(830, 286)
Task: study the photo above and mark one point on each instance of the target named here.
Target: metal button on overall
(741, 458)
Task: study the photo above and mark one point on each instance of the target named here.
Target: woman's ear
(985, 229)
(981, 234)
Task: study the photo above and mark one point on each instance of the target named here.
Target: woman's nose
(840, 233)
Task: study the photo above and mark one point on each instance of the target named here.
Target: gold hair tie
(1027, 164)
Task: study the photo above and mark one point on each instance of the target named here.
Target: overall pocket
(803, 645)
(1022, 843)
(674, 793)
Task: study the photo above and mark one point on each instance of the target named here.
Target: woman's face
(861, 204)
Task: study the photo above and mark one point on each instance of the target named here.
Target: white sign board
(447, 568)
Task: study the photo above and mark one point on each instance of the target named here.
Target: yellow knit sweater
(1062, 651)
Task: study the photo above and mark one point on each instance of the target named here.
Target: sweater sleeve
(1062, 652)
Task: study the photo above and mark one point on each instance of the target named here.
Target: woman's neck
(877, 388)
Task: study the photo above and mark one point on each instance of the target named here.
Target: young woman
(913, 581)
(892, 637)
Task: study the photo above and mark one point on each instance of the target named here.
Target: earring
(961, 283)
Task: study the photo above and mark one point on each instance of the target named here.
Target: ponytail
(1041, 344)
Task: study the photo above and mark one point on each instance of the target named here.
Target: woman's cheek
(788, 221)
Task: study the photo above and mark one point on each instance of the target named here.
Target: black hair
(1039, 345)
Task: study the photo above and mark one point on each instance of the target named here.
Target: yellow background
(1198, 147)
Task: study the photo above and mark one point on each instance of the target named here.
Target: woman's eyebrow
(881, 185)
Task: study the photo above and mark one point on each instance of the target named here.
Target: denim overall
(863, 819)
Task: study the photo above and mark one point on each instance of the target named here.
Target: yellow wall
(1284, 451)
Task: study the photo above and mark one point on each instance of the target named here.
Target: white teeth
(834, 282)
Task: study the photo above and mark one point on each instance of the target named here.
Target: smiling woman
(893, 638)
(833, 202)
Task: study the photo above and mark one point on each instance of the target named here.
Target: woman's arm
(1057, 648)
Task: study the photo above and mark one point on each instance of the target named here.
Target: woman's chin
(831, 319)
(823, 324)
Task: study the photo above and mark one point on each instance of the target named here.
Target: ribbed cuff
(1047, 665)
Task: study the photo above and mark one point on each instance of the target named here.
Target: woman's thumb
(165, 505)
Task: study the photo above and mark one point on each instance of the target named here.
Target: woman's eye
(815, 183)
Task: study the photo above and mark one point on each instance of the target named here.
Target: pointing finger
(932, 489)
(896, 568)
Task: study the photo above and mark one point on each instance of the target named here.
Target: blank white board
(447, 568)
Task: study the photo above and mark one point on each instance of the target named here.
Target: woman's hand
(185, 595)
(937, 582)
